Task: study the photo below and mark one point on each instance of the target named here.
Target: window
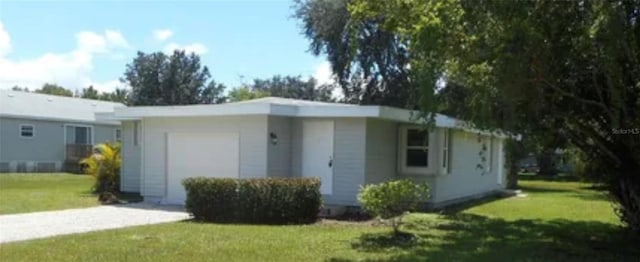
(446, 154)
(118, 135)
(417, 148)
(27, 131)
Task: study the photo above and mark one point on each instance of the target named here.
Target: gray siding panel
(253, 145)
(131, 153)
(348, 158)
(48, 143)
(381, 154)
(465, 178)
(279, 154)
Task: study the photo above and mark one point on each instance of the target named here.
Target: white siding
(130, 172)
(279, 155)
(348, 158)
(466, 178)
(381, 154)
(253, 145)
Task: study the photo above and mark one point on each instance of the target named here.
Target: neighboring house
(45, 133)
(346, 146)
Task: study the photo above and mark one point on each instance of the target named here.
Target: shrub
(104, 166)
(391, 200)
(255, 201)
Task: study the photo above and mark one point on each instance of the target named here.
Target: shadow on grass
(558, 177)
(467, 237)
(373, 242)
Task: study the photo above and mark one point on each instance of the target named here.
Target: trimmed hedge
(253, 201)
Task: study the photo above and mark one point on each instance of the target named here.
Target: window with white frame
(118, 135)
(413, 151)
(417, 152)
(27, 131)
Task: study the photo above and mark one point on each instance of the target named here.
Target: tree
(574, 77)
(393, 199)
(53, 89)
(245, 93)
(179, 79)
(119, 95)
(377, 74)
(293, 87)
(18, 88)
(90, 93)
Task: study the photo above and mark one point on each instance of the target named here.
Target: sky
(80, 43)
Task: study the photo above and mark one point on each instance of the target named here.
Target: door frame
(332, 153)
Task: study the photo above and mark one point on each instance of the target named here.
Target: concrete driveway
(53, 223)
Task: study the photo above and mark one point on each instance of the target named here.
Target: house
(346, 146)
(45, 133)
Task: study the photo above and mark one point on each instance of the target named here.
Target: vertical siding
(253, 145)
(130, 172)
(381, 150)
(279, 155)
(348, 157)
(465, 178)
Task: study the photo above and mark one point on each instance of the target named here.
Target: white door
(199, 154)
(317, 152)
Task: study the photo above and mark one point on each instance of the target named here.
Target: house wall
(253, 145)
(381, 150)
(131, 155)
(348, 159)
(47, 145)
(466, 178)
(279, 154)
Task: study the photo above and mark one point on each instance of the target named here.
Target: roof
(19, 104)
(282, 107)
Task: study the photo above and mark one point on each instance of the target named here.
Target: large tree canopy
(294, 87)
(178, 79)
(563, 70)
(375, 73)
(53, 89)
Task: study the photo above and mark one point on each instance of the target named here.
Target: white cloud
(71, 70)
(5, 41)
(324, 75)
(197, 48)
(162, 34)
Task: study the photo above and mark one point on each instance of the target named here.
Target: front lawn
(557, 221)
(22, 193)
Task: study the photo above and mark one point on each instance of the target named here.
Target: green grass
(557, 221)
(22, 193)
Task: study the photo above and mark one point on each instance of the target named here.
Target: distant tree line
(119, 95)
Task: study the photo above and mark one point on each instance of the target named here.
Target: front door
(317, 152)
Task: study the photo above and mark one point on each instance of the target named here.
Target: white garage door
(199, 154)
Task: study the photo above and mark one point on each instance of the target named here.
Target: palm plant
(104, 165)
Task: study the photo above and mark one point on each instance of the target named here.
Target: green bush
(254, 201)
(104, 166)
(391, 200)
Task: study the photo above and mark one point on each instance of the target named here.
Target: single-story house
(46, 133)
(346, 146)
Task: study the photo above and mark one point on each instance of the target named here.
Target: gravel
(27, 226)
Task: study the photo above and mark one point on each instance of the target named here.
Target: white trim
(286, 107)
(445, 151)
(402, 153)
(142, 157)
(60, 119)
(33, 131)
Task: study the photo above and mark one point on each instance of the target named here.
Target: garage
(199, 154)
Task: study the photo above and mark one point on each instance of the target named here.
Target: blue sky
(75, 43)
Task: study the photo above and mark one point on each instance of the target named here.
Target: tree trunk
(546, 163)
(514, 151)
